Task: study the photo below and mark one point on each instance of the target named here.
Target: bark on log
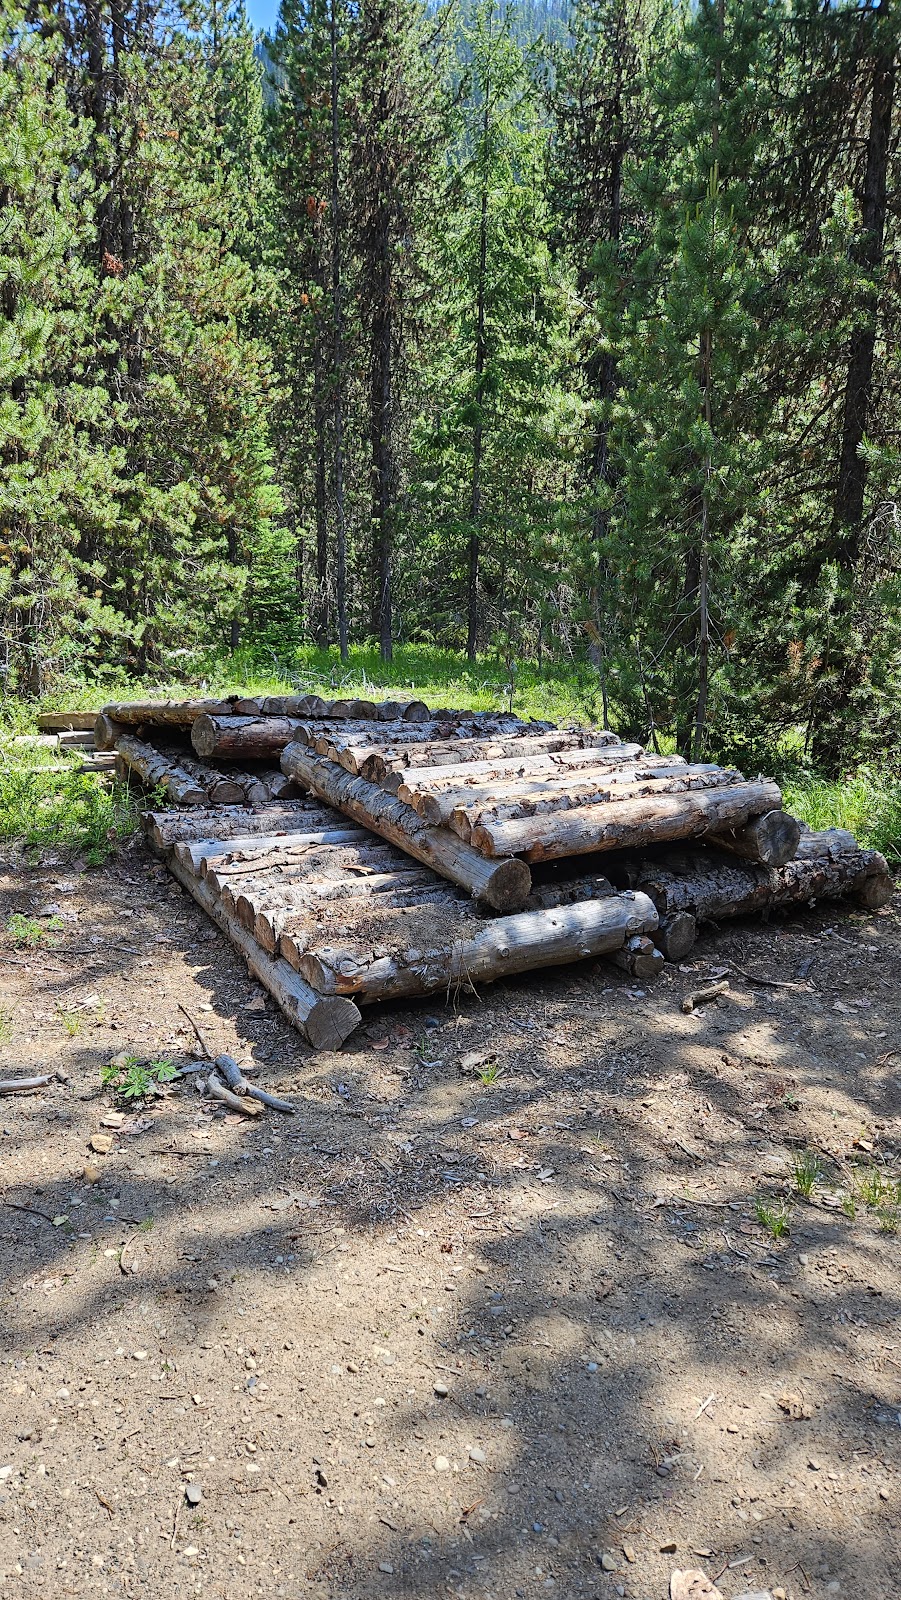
(165, 828)
(313, 705)
(506, 945)
(504, 885)
(156, 769)
(164, 713)
(355, 746)
(569, 793)
(676, 935)
(716, 887)
(231, 738)
(622, 824)
(325, 1020)
(639, 957)
(772, 839)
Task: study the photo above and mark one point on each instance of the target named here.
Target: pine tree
(49, 473)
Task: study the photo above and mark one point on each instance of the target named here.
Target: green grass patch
(866, 802)
(26, 933)
(73, 812)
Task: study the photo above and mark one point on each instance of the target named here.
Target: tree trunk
(337, 353)
(475, 504)
(869, 254)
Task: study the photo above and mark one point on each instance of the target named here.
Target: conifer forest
(558, 335)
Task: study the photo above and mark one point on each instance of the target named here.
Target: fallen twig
(25, 1085)
(242, 1103)
(702, 996)
(236, 1081)
(766, 983)
(203, 1044)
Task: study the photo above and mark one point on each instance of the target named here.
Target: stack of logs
(441, 848)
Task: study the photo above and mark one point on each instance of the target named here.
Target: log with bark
(388, 765)
(593, 787)
(107, 732)
(502, 884)
(158, 771)
(164, 713)
(625, 824)
(504, 946)
(232, 738)
(55, 721)
(260, 853)
(713, 887)
(326, 1020)
(312, 705)
(638, 956)
(356, 746)
(164, 828)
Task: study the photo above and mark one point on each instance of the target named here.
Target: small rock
(669, 1547)
(441, 1389)
(478, 1456)
(815, 1465)
(607, 1561)
(193, 1494)
(102, 1143)
(139, 1355)
(385, 1566)
(442, 1464)
(628, 1552)
(90, 1172)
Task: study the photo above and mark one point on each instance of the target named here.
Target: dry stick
(215, 1087)
(236, 1080)
(24, 1085)
(700, 997)
(201, 1040)
(31, 1211)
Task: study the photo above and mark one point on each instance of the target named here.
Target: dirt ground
(512, 1332)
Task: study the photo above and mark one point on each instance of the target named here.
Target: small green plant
(774, 1218)
(875, 1188)
(132, 1079)
(6, 1027)
(889, 1217)
(849, 1205)
(489, 1074)
(27, 933)
(72, 1022)
(806, 1171)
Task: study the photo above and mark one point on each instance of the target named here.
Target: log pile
(330, 917)
(355, 850)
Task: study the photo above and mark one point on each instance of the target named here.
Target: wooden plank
(57, 721)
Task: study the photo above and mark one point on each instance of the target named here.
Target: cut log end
(875, 891)
(509, 886)
(676, 935)
(772, 839)
(331, 1021)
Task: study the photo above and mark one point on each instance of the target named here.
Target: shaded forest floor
(515, 1331)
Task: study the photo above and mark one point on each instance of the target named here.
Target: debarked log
(502, 884)
(389, 765)
(326, 1020)
(506, 945)
(624, 824)
(157, 770)
(162, 713)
